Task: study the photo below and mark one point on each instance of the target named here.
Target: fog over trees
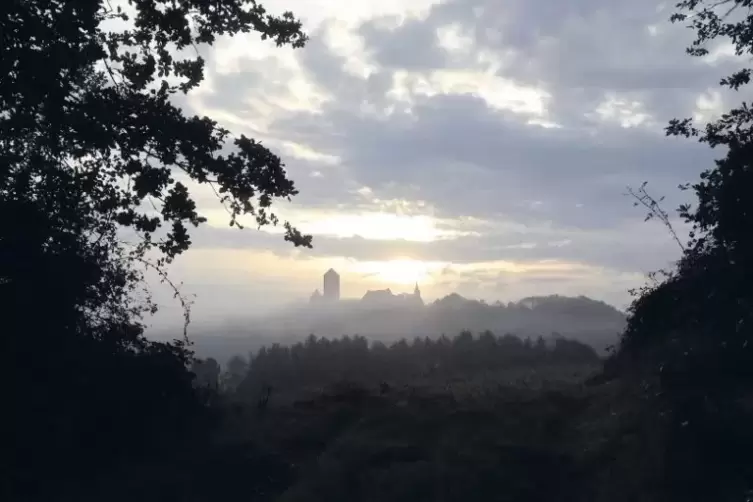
(588, 321)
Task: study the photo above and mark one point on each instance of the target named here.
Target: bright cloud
(623, 111)
(708, 106)
(315, 12)
(499, 93)
(452, 38)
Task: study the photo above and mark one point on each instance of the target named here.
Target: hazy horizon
(389, 318)
(208, 314)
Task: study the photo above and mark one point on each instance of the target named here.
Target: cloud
(466, 133)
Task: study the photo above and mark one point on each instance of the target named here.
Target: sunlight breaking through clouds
(400, 271)
(381, 226)
(390, 225)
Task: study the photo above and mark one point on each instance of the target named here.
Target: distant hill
(580, 318)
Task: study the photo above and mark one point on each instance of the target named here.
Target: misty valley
(588, 321)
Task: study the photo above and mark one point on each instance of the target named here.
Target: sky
(472, 146)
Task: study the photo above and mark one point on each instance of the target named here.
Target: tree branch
(643, 198)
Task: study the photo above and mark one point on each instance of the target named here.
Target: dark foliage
(428, 451)
(694, 327)
(89, 110)
(236, 370)
(90, 395)
(704, 305)
(493, 440)
(92, 148)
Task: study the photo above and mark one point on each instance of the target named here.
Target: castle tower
(316, 297)
(331, 286)
(417, 296)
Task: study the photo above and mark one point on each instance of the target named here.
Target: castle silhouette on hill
(373, 298)
(386, 316)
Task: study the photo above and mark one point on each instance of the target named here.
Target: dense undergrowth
(563, 440)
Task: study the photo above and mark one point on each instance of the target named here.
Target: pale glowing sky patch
(452, 39)
(378, 226)
(315, 12)
(305, 152)
(624, 111)
(708, 106)
(400, 271)
(499, 93)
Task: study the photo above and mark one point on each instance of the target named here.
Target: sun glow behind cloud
(403, 271)
(382, 226)
(370, 225)
(287, 277)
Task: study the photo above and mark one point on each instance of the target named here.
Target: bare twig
(653, 205)
(184, 302)
(222, 202)
(112, 75)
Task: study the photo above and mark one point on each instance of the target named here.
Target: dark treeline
(322, 362)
